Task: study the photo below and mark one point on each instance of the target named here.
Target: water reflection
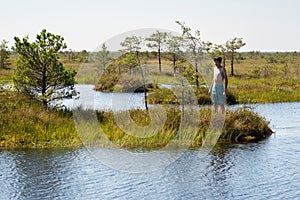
(220, 164)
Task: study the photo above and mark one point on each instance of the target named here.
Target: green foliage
(130, 61)
(234, 44)
(4, 55)
(157, 40)
(231, 98)
(102, 58)
(162, 96)
(131, 44)
(277, 58)
(115, 70)
(39, 73)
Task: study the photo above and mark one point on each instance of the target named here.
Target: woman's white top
(218, 78)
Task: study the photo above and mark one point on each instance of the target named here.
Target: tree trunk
(143, 79)
(232, 72)
(197, 76)
(44, 86)
(159, 59)
(196, 67)
(1, 62)
(182, 100)
(174, 63)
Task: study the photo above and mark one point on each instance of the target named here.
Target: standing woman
(217, 90)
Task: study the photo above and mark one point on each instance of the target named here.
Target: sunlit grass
(26, 123)
(272, 90)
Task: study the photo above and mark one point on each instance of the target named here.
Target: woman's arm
(210, 88)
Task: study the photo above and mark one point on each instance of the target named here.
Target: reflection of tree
(219, 171)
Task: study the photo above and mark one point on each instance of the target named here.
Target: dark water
(264, 170)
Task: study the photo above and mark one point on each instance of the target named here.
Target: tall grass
(261, 90)
(26, 123)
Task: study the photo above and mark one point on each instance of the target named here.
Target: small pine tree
(4, 55)
(39, 74)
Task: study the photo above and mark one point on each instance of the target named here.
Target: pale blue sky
(265, 25)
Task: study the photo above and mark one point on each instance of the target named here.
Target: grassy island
(26, 123)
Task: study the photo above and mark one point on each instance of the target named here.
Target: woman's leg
(222, 108)
(215, 108)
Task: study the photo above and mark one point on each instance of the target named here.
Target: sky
(265, 25)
